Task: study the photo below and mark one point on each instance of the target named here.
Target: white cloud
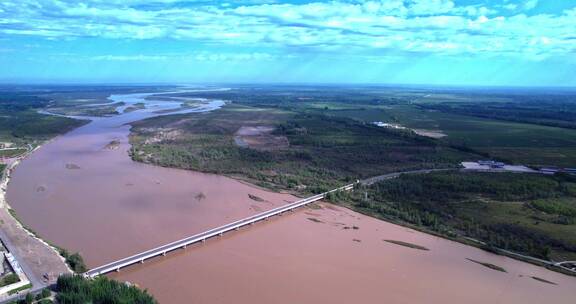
(530, 4)
(196, 56)
(430, 26)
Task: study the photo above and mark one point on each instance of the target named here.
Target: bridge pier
(164, 253)
(142, 261)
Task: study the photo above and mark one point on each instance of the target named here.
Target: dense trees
(503, 210)
(450, 186)
(75, 261)
(74, 289)
(556, 112)
(19, 117)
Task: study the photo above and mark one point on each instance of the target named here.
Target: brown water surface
(83, 195)
(293, 259)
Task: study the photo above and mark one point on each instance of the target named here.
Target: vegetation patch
(75, 261)
(74, 289)
(135, 107)
(488, 265)
(19, 289)
(9, 279)
(87, 110)
(113, 145)
(406, 244)
(503, 210)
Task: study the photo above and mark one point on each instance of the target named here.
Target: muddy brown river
(85, 194)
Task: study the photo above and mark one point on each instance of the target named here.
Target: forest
(528, 213)
(21, 122)
(75, 289)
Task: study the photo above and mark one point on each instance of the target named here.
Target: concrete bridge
(201, 237)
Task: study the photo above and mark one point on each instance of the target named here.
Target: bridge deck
(162, 250)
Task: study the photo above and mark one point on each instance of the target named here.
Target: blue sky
(444, 42)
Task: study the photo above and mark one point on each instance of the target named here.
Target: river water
(86, 195)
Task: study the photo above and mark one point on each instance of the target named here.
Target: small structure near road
(495, 166)
(388, 125)
(12, 269)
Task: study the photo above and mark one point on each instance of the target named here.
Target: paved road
(27, 270)
(379, 178)
(37, 283)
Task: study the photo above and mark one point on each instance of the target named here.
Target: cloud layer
(504, 28)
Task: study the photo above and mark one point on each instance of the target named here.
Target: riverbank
(41, 262)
